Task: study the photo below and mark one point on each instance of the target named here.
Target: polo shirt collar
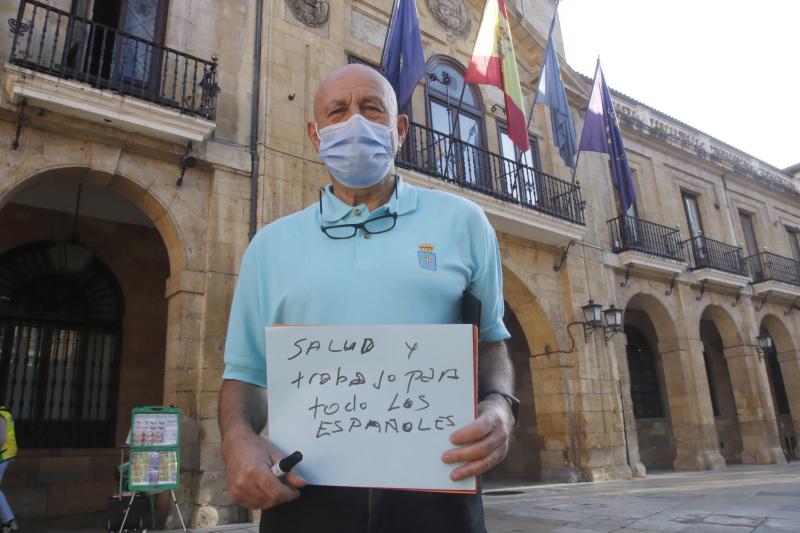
(405, 201)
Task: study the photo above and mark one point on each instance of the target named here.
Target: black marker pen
(285, 465)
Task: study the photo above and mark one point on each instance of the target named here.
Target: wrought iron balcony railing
(632, 233)
(441, 155)
(710, 253)
(766, 266)
(65, 45)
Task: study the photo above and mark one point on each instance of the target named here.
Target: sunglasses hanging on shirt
(372, 226)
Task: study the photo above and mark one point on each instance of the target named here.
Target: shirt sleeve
(487, 281)
(245, 345)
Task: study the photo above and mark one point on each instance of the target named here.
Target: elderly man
(352, 259)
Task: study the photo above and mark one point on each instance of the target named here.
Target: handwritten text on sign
(371, 406)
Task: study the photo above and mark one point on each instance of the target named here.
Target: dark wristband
(512, 400)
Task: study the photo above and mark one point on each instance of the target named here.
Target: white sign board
(372, 406)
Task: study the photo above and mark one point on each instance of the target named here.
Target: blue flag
(403, 63)
(601, 134)
(551, 93)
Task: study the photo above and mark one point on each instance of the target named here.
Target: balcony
(81, 68)
(717, 262)
(647, 245)
(518, 199)
(774, 273)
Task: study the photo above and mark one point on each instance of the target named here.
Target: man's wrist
(502, 398)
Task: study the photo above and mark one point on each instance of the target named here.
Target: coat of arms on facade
(312, 13)
(452, 15)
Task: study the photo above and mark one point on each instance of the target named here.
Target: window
(519, 182)
(692, 209)
(749, 232)
(452, 116)
(645, 392)
(122, 48)
(695, 223)
(60, 337)
(794, 242)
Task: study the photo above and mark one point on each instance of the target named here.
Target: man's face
(357, 89)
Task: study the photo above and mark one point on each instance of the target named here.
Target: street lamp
(763, 345)
(613, 318)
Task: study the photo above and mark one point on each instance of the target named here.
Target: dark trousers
(354, 510)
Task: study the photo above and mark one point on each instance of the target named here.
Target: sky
(730, 68)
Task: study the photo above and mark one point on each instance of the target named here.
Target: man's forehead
(353, 82)
(356, 91)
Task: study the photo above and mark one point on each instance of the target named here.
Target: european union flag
(551, 93)
(601, 134)
(403, 63)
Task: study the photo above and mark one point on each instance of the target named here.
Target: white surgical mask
(357, 152)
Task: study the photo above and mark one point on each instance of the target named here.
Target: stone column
(754, 410)
(555, 418)
(184, 293)
(628, 420)
(690, 408)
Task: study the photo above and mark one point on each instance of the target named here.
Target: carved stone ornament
(452, 15)
(312, 13)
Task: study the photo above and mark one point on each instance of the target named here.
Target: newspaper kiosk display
(155, 460)
(155, 451)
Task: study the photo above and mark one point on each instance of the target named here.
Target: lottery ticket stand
(154, 462)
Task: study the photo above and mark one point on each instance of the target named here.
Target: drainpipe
(255, 110)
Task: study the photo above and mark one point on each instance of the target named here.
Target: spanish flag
(493, 63)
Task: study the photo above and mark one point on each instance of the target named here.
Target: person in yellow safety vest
(8, 451)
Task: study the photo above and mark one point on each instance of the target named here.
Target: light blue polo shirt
(292, 273)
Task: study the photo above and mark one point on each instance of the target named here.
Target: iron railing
(710, 253)
(64, 45)
(766, 266)
(632, 233)
(441, 155)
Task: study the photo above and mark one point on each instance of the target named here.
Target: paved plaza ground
(741, 499)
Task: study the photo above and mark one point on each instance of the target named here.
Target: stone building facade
(107, 107)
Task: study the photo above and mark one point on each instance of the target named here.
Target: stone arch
(126, 187)
(787, 357)
(658, 312)
(780, 333)
(725, 323)
(550, 393)
(650, 438)
(749, 395)
(148, 347)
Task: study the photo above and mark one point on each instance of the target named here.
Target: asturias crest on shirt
(427, 256)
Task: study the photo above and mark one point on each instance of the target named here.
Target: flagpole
(533, 101)
(549, 35)
(388, 29)
(578, 156)
(574, 170)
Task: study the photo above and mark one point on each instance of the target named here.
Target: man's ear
(311, 130)
(402, 129)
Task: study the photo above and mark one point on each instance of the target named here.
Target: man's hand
(248, 460)
(484, 442)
